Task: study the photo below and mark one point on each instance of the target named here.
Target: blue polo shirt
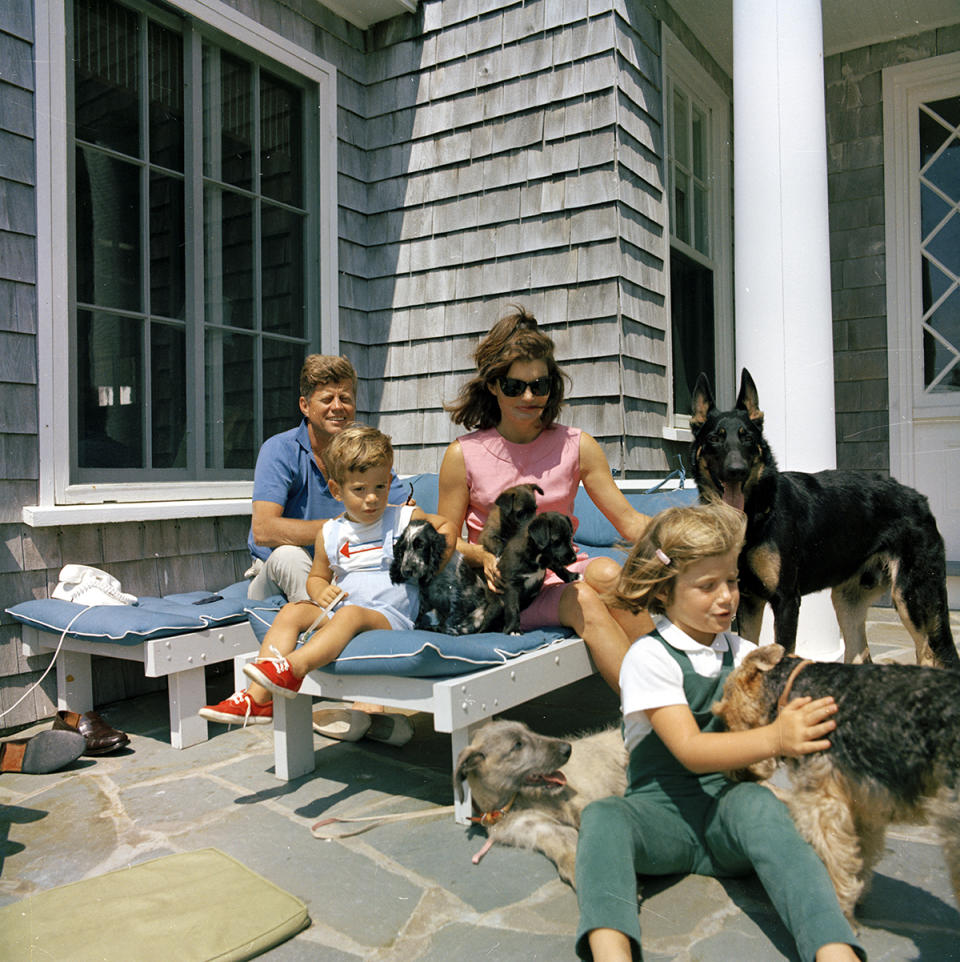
(287, 474)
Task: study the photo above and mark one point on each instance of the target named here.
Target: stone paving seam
(323, 934)
(436, 909)
(361, 847)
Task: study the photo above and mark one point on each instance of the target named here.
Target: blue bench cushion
(130, 624)
(420, 654)
(427, 654)
(595, 531)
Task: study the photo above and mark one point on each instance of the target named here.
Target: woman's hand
(491, 571)
(802, 724)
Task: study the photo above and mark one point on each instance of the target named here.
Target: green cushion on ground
(201, 905)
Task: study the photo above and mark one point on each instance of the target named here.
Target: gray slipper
(46, 752)
(343, 724)
(390, 728)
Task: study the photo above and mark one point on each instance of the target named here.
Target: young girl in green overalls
(680, 814)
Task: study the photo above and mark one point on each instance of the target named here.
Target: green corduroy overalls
(674, 821)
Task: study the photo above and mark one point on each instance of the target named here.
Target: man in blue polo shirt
(290, 494)
(291, 501)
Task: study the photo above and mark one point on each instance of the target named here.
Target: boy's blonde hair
(675, 539)
(356, 449)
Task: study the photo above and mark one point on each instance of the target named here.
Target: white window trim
(905, 87)
(59, 501)
(680, 64)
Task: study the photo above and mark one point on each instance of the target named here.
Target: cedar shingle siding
(489, 151)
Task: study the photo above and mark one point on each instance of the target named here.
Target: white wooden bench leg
(187, 690)
(240, 680)
(293, 736)
(459, 739)
(74, 682)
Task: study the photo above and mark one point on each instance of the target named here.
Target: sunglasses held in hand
(514, 387)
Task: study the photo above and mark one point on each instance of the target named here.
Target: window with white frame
(697, 163)
(196, 212)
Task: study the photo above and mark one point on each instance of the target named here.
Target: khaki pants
(285, 573)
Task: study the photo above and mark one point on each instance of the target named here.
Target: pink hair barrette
(663, 556)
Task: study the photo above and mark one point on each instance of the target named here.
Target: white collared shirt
(650, 678)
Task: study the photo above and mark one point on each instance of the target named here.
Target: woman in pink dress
(512, 402)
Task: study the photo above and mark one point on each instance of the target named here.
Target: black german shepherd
(857, 535)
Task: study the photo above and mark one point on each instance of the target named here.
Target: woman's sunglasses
(514, 387)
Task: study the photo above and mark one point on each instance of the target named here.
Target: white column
(782, 250)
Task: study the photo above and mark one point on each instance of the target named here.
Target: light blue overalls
(673, 821)
(368, 584)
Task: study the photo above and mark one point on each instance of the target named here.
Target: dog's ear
(469, 760)
(399, 548)
(538, 531)
(766, 657)
(702, 401)
(747, 399)
(436, 545)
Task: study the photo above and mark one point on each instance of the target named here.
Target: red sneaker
(239, 707)
(274, 674)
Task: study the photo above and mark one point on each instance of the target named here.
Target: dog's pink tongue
(733, 495)
(556, 778)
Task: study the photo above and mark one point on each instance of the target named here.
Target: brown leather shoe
(101, 738)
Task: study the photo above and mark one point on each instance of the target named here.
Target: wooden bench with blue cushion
(172, 637)
(461, 681)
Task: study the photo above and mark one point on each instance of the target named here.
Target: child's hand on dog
(802, 724)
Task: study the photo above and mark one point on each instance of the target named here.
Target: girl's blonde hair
(675, 539)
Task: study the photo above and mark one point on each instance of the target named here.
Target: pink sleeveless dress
(553, 461)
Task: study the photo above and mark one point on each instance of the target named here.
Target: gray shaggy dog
(532, 789)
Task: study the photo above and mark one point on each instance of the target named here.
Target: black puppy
(857, 535)
(542, 543)
(513, 508)
(454, 600)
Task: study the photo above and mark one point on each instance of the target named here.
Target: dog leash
(320, 829)
(323, 616)
(791, 678)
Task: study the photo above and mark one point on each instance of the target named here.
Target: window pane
(281, 385)
(230, 386)
(236, 122)
(281, 149)
(681, 130)
(109, 385)
(691, 309)
(228, 261)
(282, 255)
(107, 231)
(168, 395)
(681, 201)
(941, 334)
(945, 245)
(166, 98)
(107, 75)
(699, 139)
(701, 220)
(167, 267)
